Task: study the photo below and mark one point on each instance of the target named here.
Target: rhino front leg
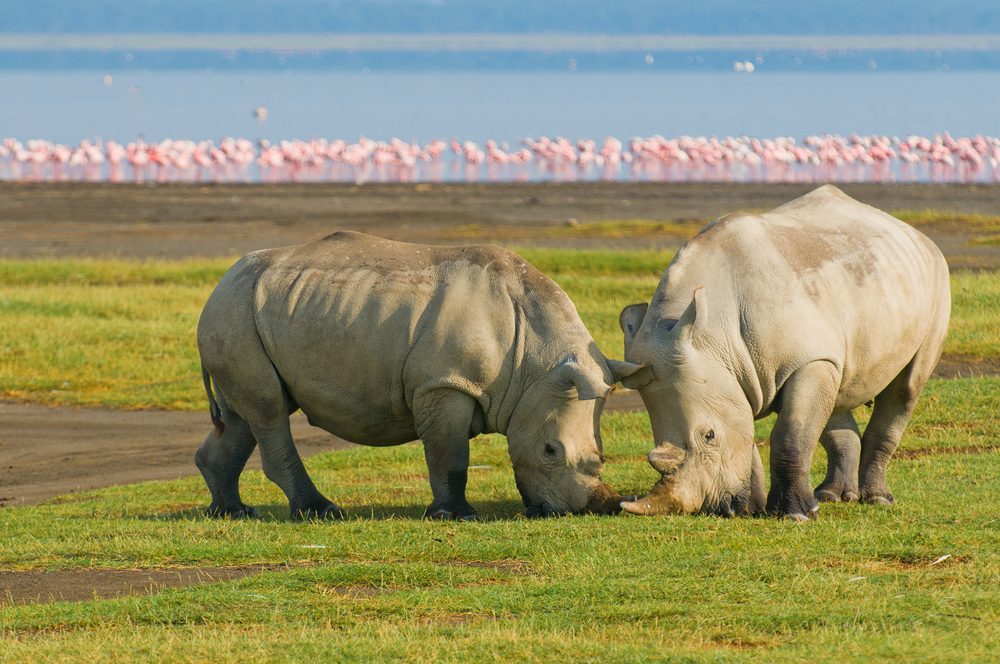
(284, 467)
(806, 402)
(444, 419)
(221, 460)
(842, 443)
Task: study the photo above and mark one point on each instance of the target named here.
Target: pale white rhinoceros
(384, 342)
(808, 311)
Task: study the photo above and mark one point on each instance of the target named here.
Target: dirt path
(48, 451)
(74, 585)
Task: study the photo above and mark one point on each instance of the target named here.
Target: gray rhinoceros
(807, 311)
(384, 342)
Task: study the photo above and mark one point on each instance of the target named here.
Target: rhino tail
(213, 406)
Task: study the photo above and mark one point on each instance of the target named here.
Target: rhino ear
(589, 385)
(694, 318)
(630, 320)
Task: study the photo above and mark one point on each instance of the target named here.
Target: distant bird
(260, 113)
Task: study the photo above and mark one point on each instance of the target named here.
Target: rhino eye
(710, 436)
(550, 450)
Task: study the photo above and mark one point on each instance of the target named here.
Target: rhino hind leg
(893, 408)
(221, 460)
(806, 403)
(445, 422)
(842, 443)
(283, 466)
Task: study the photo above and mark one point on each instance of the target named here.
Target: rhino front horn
(658, 501)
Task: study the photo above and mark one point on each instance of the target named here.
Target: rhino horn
(666, 459)
(661, 500)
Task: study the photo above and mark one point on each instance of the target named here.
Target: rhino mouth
(730, 506)
(542, 510)
(603, 500)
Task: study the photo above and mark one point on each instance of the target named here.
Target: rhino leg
(806, 402)
(242, 371)
(893, 407)
(283, 466)
(842, 443)
(444, 419)
(221, 460)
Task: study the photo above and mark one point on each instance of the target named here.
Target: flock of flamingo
(829, 158)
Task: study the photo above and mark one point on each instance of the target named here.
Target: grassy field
(122, 333)
(861, 583)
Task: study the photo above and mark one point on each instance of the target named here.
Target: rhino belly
(339, 340)
(355, 419)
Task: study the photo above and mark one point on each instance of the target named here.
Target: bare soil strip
(74, 585)
(47, 451)
(919, 452)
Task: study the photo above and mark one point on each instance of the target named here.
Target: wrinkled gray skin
(808, 311)
(384, 342)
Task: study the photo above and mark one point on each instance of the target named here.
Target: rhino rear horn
(694, 318)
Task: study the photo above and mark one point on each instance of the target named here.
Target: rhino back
(824, 277)
(355, 325)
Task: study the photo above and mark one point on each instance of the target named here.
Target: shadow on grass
(498, 510)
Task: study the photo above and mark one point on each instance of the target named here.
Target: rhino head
(554, 439)
(702, 421)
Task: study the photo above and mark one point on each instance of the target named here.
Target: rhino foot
(883, 498)
(239, 511)
(459, 512)
(321, 511)
(799, 505)
(835, 492)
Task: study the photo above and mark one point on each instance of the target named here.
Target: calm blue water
(67, 107)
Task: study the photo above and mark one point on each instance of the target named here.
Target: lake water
(68, 107)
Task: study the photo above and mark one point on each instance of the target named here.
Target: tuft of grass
(609, 229)
(971, 221)
(988, 240)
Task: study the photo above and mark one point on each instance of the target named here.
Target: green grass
(857, 584)
(122, 333)
(970, 221)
